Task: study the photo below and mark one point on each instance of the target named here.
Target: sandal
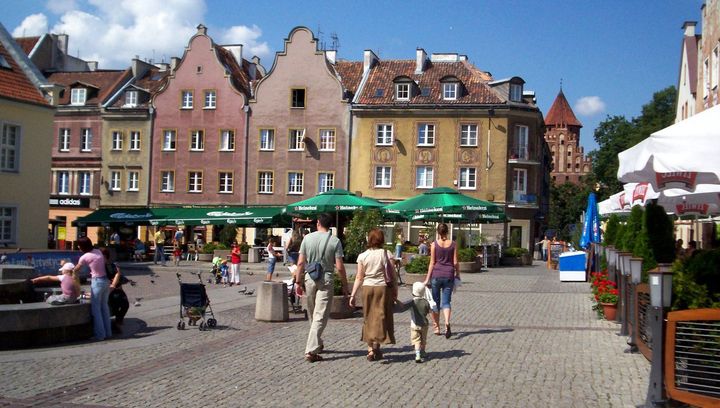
(448, 333)
(378, 355)
(311, 357)
(371, 356)
(436, 328)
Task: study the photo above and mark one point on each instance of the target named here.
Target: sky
(610, 55)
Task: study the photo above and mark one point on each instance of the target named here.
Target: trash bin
(255, 254)
(572, 267)
(272, 302)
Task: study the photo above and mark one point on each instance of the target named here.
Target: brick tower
(562, 134)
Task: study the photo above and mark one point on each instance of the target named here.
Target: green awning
(116, 216)
(333, 201)
(240, 216)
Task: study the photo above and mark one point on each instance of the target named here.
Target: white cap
(67, 266)
(418, 289)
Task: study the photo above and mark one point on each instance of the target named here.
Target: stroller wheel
(211, 323)
(179, 326)
(203, 327)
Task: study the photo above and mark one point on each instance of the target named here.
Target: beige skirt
(378, 326)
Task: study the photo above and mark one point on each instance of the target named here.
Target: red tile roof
(27, 43)
(14, 83)
(153, 79)
(350, 73)
(104, 80)
(240, 75)
(475, 83)
(561, 114)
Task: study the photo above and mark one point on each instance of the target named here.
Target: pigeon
(243, 290)
(152, 281)
(249, 292)
(137, 301)
(133, 283)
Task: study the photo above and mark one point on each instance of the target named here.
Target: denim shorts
(271, 264)
(442, 291)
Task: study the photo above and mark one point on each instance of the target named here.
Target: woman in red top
(235, 264)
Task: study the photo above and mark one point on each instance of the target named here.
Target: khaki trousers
(319, 295)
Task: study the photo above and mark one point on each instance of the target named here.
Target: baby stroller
(294, 299)
(215, 270)
(194, 303)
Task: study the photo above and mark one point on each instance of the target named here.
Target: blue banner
(44, 262)
(591, 224)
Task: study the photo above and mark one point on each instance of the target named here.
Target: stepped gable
(384, 73)
(14, 83)
(561, 114)
(102, 80)
(27, 43)
(350, 73)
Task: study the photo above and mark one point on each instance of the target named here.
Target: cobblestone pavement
(520, 338)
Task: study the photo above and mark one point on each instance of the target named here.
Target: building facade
(440, 122)
(562, 134)
(709, 57)
(26, 118)
(687, 81)
(298, 139)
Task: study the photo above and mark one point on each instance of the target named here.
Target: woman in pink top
(442, 272)
(99, 287)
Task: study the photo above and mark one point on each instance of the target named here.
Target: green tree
(227, 234)
(631, 231)
(355, 236)
(567, 202)
(611, 230)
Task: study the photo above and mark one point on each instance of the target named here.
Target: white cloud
(248, 36)
(113, 32)
(61, 6)
(33, 25)
(589, 105)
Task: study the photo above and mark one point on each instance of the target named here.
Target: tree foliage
(611, 230)
(355, 236)
(567, 202)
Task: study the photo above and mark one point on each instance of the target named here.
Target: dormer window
(450, 91)
(402, 91)
(78, 96)
(131, 98)
(516, 92)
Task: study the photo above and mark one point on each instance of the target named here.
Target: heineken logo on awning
(126, 216)
(430, 210)
(228, 214)
(306, 208)
(475, 208)
(491, 216)
(346, 207)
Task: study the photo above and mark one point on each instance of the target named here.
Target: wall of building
(126, 160)
(708, 87)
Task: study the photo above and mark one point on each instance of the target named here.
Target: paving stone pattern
(521, 339)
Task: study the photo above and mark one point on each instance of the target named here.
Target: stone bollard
(272, 302)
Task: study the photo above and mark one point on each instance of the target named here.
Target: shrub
(210, 247)
(227, 235)
(660, 233)
(611, 230)
(357, 229)
(419, 264)
(631, 231)
(466, 255)
(696, 281)
(515, 252)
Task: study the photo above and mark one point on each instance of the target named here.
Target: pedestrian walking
(442, 272)
(159, 239)
(272, 257)
(99, 287)
(419, 309)
(234, 265)
(544, 247)
(378, 295)
(319, 293)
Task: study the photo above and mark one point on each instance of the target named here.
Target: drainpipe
(246, 109)
(347, 148)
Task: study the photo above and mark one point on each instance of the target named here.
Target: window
(169, 139)
(521, 142)
(115, 181)
(225, 182)
(195, 182)
(84, 183)
(167, 183)
(210, 99)
(520, 181)
(4, 63)
(450, 91)
(9, 147)
(706, 77)
(197, 140)
(64, 142)
(133, 181)
(296, 137)
(85, 140)
(515, 92)
(715, 62)
(78, 96)
(384, 135)
(327, 140)
(383, 176)
(298, 98)
(426, 134)
(424, 177)
(63, 182)
(131, 98)
(134, 140)
(402, 92)
(295, 183)
(469, 135)
(227, 140)
(186, 100)
(8, 222)
(326, 182)
(117, 140)
(267, 139)
(265, 182)
(468, 178)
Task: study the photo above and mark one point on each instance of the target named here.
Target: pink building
(198, 154)
(298, 139)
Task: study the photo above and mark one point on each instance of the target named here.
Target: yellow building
(441, 122)
(26, 125)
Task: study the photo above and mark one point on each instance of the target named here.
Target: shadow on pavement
(462, 334)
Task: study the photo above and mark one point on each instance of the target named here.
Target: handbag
(315, 269)
(389, 270)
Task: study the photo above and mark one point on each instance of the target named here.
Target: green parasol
(443, 203)
(332, 201)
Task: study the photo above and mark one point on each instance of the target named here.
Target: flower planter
(205, 257)
(609, 310)
(410, 278)
(466, 267)
(339, 308)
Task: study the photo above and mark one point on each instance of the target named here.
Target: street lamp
(635, 277)
(624, 266)
(660, 298)
(635, 269)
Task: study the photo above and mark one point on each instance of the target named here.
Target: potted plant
(416, 269)
(516, 257)
(605, 294)
(206, 252)
(466, 259)
(339, 306)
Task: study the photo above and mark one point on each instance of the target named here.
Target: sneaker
(423, 354)
(418, 358)
(311, 357)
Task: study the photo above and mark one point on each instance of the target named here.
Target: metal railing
(643, 333)
(692, 357)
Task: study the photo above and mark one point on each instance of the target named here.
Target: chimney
(62, 43)
(258, 66)
(92, 65)
(689, 28)
(236, 51)
(135, 67)
(163, 66)
(174, 62)
(369, 59)
(201, 29)
(331, 55)
(420, 57)
(252, 71)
